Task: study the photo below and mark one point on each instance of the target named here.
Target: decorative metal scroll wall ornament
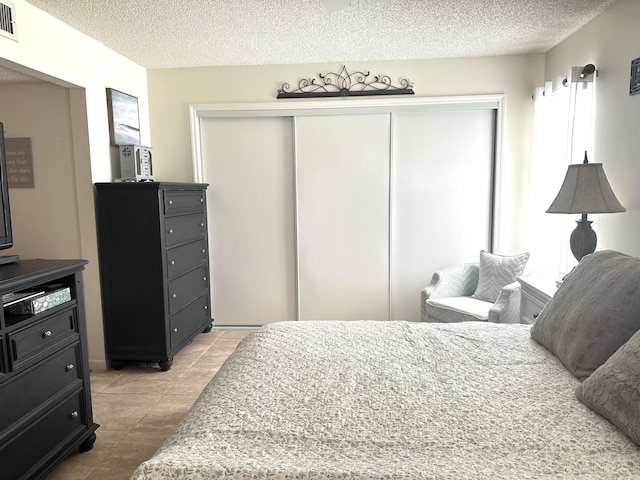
(345, 84)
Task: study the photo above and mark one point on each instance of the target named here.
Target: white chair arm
(507, 307)
(456, 281)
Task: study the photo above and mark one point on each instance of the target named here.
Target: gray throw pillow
(595, 311)
(496, 272)
(613, 390)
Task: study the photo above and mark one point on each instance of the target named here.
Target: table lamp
(585, 190)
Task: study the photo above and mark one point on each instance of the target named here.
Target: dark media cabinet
(45, 396)
(154, 269)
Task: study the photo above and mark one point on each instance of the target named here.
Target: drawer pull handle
(170, 231)
(201, 200)
(202, 224)
(46, 334)
(204, 278)
(170, 202)
(173, 262)
(174, 295)
(175, 329)
(204, 250)
(206, 307)
(74, 414)
(69, 367)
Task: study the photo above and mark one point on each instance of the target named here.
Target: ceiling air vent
(8, 20)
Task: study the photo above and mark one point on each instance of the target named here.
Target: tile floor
(137, 407)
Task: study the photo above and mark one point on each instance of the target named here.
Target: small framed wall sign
(19, 163)
(634, 85)
(124, 120)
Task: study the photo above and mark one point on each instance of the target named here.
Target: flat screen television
(6, 234)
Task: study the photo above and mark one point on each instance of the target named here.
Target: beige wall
(41, 112)
(53, 52)
(172, 90)
(611, 42)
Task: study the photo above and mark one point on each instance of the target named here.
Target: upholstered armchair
(453, 294)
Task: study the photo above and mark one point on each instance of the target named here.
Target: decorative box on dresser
(535, 294)
(154, 269)
(45, 395)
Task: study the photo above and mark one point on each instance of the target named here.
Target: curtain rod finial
(587, 70)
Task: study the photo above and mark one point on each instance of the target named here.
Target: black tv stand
(4, 259)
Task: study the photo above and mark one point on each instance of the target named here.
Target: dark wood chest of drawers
(154, 269)
(45, 396)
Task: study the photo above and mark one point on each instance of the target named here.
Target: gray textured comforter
(369, 400)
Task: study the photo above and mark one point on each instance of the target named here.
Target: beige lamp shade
(585, 190)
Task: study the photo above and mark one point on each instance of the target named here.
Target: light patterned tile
(156, 382)
(166, 414)
(113, 471)
(193, 381)
(207, 337)
(236, 334)
(122, 461)
(122, 411)
(80, 464)
(210, 361)
(100, 379)
(221, 350)
(69, 470)
(193, 348)
(228, 342)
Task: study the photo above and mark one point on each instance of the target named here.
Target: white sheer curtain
(562, 131)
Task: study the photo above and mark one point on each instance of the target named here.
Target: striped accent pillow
(496, 272)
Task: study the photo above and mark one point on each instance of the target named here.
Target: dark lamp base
(583, 239)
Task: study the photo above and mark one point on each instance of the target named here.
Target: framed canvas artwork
(124, 121)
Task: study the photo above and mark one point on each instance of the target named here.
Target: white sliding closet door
(343, 216)
(441, 197)
(248, 163)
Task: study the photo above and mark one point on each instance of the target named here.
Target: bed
(390, 400)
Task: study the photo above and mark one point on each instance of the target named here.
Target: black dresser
(154, 269)
(45, 396)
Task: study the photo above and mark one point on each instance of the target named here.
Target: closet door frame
(357, 106)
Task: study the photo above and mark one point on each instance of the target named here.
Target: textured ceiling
(191, 33)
